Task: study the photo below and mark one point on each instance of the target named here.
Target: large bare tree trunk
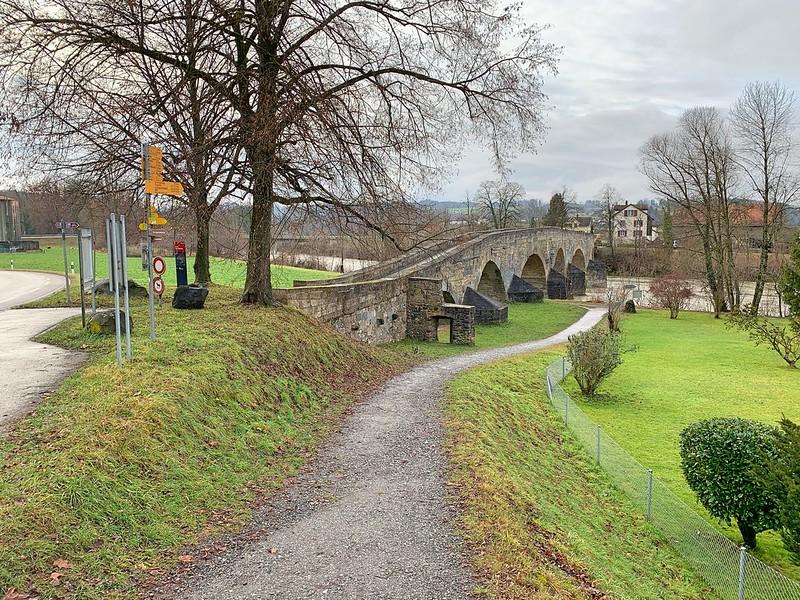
(258, 286)
(202, 272)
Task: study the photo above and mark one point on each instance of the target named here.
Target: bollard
(12, 264)
(742, 562)
(649, 491)
(72, 266)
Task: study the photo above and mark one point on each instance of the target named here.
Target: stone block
(103, 322)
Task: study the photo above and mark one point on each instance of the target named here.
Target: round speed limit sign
(158, 285)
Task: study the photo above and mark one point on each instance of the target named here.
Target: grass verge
(544, 521)
(685, 370)
(118, 468)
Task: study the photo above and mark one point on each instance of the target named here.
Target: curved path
(371, 521)
(27, 368)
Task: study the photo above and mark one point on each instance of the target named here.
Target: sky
(627, 70)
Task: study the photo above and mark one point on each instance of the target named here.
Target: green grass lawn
(686, 370)
(223, 271)
(543, 519)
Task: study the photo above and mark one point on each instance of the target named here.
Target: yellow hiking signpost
(153, 176)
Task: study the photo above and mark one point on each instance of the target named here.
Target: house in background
(578, 223)
(632, 224)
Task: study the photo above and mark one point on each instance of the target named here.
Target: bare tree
(694, 169)
(343, 104)
(500, 202)
(763, 120)
(609, 196)
(532, 212)
(79, 107)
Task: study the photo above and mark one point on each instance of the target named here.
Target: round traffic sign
(159, 265)
(158, 285)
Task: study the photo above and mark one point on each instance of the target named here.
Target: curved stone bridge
(394, 299)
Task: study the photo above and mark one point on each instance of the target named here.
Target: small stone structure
(522, 291)
(425, 310)
(487, 310)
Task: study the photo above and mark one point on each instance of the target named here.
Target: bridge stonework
(372, 305)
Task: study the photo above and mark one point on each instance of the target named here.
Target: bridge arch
(560, 263)
(533, 272)
(491, 283)
(579, 260)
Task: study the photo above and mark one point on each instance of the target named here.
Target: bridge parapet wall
(373, 312)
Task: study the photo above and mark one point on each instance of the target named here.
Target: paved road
(28, 369)
(19, 287)
(371, 521)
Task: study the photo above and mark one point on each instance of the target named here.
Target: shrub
(672, 292)
(721, 460)
(782, 476)
(594, 354)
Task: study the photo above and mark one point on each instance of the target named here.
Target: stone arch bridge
(460, 281)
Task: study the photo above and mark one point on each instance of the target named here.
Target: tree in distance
(347, 105)
(556, 215)
(672, 292)
(594, 354)
(763, 120)
(499, 202)
(609, 197)
(720, 459)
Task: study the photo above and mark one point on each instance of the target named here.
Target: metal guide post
(64, 250)
(125, 279)
(115, 276)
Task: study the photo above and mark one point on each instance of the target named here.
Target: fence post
(563, 367)
(649, 491)
(549, 389)
(742, 561)
(566, 411)
(599, 434)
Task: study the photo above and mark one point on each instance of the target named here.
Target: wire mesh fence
(717, 560)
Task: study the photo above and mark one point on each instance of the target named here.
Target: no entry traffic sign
(159, 265)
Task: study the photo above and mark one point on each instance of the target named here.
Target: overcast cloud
(627, 70)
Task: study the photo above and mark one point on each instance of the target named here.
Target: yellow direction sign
(153, 219)
(153, 164)
(169, 188)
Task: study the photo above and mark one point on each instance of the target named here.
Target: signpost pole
(94, 271)
(146, 173)
(64, 249)
(125, 279)
(81, 267)
(115, 277)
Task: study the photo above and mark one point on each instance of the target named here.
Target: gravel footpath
(371, 521)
